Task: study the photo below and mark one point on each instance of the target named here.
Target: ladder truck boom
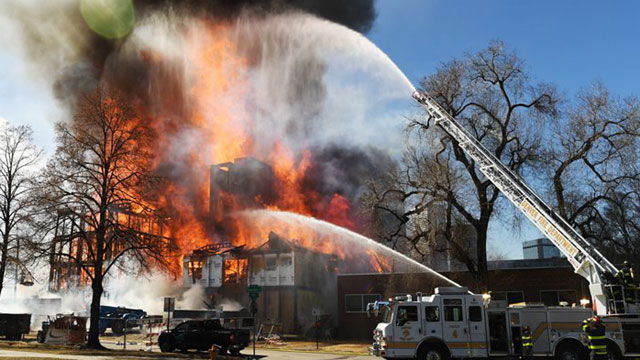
(586, 260)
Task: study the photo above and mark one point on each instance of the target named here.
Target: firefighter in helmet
(626, 279)
(595, 330)
(526, 343)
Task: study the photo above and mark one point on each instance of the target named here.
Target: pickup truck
(202, 335)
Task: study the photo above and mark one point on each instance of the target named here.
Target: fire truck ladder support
(586, 260)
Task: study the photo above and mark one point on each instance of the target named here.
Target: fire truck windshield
(387, 311)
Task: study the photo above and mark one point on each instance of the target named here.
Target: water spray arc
(327, 230)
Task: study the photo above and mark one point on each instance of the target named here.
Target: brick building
(547, 281)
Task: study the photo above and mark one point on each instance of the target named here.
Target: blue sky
(569, 43)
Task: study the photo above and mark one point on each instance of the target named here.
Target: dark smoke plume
(355, 14)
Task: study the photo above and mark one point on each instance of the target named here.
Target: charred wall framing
(68, 250)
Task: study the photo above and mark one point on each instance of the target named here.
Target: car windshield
(182, 326)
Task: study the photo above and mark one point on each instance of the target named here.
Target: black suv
(201, 335)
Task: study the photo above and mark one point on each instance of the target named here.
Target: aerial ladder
(586, 260)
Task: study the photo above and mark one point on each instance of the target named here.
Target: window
(213, 324)
(285, 260)
(235, 270)
(271, 262)
(511, 297)
(357, 303)
(554, 297)
(432, 313)
(406, 314)
(195, 270)
(182, 327)
(475, 313)
(257, 264)
(453, 313)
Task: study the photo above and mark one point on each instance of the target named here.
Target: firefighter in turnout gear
(626, 279)
(526, 343)
(595, 330)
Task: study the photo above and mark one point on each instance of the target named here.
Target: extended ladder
(584, 257)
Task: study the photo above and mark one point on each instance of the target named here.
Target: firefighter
(595, 330)
(626, 279)
(526, 343)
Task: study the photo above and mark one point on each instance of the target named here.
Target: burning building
(294, 280)
(297, 272)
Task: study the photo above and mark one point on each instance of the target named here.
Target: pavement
(295, 355)
(267, 354)
(32, 354)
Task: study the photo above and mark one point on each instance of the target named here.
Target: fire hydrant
(213, 352)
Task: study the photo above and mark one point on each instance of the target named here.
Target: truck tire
(571, 351)
(40, 337)
(117, 328)
(433, 352)
(167, 345)
(613, 351)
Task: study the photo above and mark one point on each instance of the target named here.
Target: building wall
(293, 282)
(534, 285)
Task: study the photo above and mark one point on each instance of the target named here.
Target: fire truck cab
(453, 323)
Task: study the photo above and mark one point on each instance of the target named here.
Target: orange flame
(216, 129)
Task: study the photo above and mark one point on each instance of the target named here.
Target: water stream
(326, 230)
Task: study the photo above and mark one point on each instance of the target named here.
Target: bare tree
(100, 166)
(18, 155)
(593, 169)
(492, 96)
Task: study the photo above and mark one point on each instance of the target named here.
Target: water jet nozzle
(420, 97)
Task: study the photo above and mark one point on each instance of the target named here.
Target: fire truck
(454, 323)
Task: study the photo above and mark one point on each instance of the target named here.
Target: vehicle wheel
(40, 337)
(234, 352)
(570, 352)
(117, 328)
(167, 345)
(433, 352)
(613, 352)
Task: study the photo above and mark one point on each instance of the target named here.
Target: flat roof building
(541, 248)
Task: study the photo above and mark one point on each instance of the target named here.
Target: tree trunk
(94, 330)
(3, 263)
(482, 272)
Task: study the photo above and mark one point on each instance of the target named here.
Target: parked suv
(201, 335)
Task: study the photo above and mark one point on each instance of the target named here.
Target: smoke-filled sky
(569, 43)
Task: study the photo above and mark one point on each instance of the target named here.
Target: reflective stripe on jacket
(597, 338)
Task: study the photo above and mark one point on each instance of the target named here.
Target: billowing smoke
(216, 80)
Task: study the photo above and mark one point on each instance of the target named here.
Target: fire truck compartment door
(407, 331)
(538, 324)
(455, 328)
(477, 329)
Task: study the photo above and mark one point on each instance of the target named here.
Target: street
(293, 355)
(270, 354)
